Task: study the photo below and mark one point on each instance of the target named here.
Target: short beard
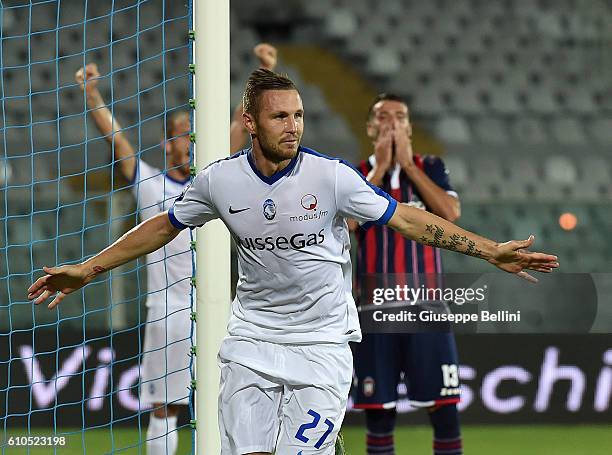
(272, 151)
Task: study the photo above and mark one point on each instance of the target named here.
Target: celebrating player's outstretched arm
(142, 239)
(433, 230)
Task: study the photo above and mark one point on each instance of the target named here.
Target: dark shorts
(428, 362)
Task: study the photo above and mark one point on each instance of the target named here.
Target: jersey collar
(181, 182)
(277, 175)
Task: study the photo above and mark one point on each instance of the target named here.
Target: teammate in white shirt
(285, 365)
(165, 374)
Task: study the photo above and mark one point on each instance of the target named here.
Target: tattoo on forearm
(453, 242)
(438, 236)
(470, 247)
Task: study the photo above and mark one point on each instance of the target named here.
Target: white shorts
(282, 399)
(165, 376)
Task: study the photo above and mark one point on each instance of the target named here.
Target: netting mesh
(75, 370)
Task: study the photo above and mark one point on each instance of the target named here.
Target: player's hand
(513, 257)
(267, 55)
(90, 74)
(403, 147)
(383, 147)
(59, 281)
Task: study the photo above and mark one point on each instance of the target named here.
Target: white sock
(162, 439)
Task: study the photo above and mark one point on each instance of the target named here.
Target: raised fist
(90, 74)
(266, 54)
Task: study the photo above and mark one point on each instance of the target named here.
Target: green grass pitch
(478, 440)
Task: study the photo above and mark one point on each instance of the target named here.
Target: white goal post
(212, 119)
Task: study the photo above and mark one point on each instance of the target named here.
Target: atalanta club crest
(309, 202)
(269, 209)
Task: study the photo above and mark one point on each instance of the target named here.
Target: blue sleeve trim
(384, 219)
(176, 223)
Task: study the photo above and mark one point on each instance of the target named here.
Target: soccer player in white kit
(285, 364)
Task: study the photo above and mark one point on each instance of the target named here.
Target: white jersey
(169, 267)
(294, 268)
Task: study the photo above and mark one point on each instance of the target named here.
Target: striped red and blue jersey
(381, 250)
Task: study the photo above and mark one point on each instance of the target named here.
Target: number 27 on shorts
(316, 418)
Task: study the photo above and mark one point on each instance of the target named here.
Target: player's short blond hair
(259, 81)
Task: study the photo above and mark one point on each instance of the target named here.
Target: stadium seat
(523, 174)
(560, 170)
(421, 62)
(529, 130)
(475, 191)
(594, 168)
(527, 227)
(457, 64)
(504, 100)
(514, 191)
(579, 100)
(472, 42)
(458, 170)
(340, 24)
(601, 129)
(604, 100)
(45, 136)
(335, 126)
(447, 25)
(444, 81)
(433, 44)
(541, 100)
(362, 43)
(469, 99)
(96, 34)
(315, 101)
(490, 130)
(365, 8)
(488, 169)
(517, 185)
(567, 131)
(403, 83)
(17, 109)
(492, 63)
(590, 191)
(383, 61)
(453, 129)
(428, 101)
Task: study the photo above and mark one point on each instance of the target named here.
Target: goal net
(77, 371)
